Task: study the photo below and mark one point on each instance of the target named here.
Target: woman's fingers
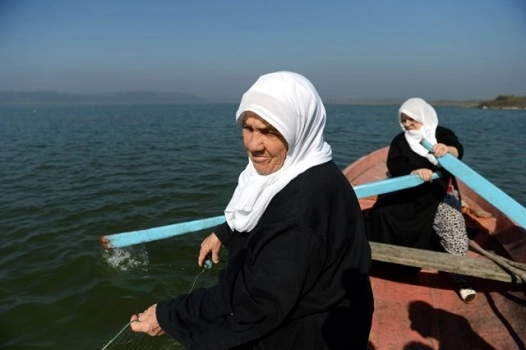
(146, 322)
(211, 244)
(440, 150)
(425, 174)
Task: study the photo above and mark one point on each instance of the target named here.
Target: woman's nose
(254, 141)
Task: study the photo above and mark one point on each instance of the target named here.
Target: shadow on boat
(422, 316)
(439, 328)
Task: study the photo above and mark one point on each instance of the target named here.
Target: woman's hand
(146, 322)
(210, 244)
(440, 150)
(424, 173)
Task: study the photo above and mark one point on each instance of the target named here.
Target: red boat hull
(423, 310)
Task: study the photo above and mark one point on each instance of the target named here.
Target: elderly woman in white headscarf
(410, 217)
(298, 258)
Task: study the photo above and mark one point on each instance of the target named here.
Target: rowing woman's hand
(440, 150)
(424, 173)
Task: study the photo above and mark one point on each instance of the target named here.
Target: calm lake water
(69, 174)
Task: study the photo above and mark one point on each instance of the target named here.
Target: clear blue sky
(361, 49)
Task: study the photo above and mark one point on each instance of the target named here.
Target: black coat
(406, 217)
(298, 280)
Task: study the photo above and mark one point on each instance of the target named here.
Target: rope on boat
(513, 267)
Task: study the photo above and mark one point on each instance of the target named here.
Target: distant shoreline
(20, 98)
(133, 97)
(512, 102)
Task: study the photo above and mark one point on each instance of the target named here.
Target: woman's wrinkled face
(409, 123)
(266, 147)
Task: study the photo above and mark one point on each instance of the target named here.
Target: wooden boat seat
(469, 265)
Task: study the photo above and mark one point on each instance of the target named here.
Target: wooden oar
(500, 200)
(390, 185)
(126, 239)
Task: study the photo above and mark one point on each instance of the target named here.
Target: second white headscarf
(291, 104)
(421, 111)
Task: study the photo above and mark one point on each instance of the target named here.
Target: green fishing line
(206, 266)
(115, 337)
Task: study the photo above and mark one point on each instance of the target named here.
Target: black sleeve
(257, 291)
(397, 157)
(224, 233)
(448, 137)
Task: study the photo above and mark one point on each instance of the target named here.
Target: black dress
(406, 217)
(298, 280)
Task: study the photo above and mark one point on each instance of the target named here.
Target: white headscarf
(421, 111)
(290, 103)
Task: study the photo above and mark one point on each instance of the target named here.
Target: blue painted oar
(390, 185)
(125, 239)
(500, 200)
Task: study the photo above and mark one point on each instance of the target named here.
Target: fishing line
(207, 265)
(115, 337)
